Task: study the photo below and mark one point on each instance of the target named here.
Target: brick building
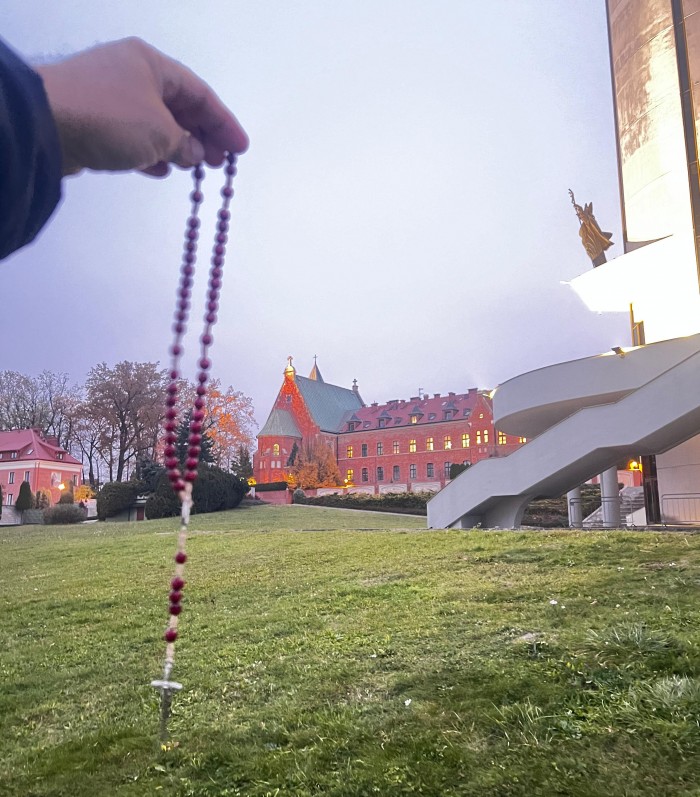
(402, 445)
(27, 456)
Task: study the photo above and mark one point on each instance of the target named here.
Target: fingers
(197, 109)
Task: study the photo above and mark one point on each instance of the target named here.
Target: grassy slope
(364, 656)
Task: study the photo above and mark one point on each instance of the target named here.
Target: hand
(124, 106)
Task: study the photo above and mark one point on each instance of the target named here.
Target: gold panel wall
(651, 145)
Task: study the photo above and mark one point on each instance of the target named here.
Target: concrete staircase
(631, 499)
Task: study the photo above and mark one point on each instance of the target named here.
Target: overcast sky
(402, 211)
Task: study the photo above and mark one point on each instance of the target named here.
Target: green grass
(329, 652)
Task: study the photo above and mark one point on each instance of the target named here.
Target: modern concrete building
(591, 414)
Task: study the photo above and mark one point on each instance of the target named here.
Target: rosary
(182, 482)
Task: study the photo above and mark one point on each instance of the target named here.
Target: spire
(290, 371)
(315, 372)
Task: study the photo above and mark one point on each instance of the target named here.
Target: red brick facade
(403, 445)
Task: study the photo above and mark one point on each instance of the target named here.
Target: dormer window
(59, 455)
(13, 455)
(414, 419)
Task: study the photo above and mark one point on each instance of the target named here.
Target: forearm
(30, 154)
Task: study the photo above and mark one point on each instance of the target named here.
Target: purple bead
(201, 390)
(172, 387)
(195, 439)
(221, 238)
(194, 451)
(192, 235)
(170, 426)
(212, 306)
(175, 596)
(227, 191)
(206, 339)
(217, 260)
(190, 476)
(169, 450)
(181, 315)
(211, 318)
(171, 414)
(188, 270)
(181, 557)
(193, 222)
(178, 328)
(230, 170)
(175, 608)
(179, 485)
(198, 415)
(219, 249)
(171, 401)
(176, 350)
(199, 402)
(174, 374)
(171, 463)
(222, 226)
(195, 426)
(174, 475)
(177, 583)
(215, 283)
(198, 172)
(204, 364)
(191, 463)
(190, 246)
(224, 214)
(189, 258)
(170, 635)
(196, 196)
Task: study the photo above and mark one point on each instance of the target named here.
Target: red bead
(181, 557)
(170, 635)
(196, 426)
(191, 463)
(171, 413)
(176, 350)
(190, 476)
(170, 426)
(195, 439)
(175, 596)
(175, 608)
(174, 476)
(201, 390)
(199, 403)
(171, 462)
(169, 450)
(177, 583)
(171, 401)
(179, 485)
(194, 451)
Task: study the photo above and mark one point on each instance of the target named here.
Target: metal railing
(680, 508)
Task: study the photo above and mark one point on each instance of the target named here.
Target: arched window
(276, 450)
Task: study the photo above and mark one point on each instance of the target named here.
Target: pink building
(27, 456)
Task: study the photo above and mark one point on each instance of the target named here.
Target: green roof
(327, 404)
(281, 424)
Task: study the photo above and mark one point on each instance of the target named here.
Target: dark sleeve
(30, 154)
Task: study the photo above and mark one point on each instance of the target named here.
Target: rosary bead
(230, 170)
(219, 249)
(227, 191)
(176, 350)
(170, 635)
(221, 238)
(177, 583)
(217, 260)
(171, 413)
(215, 283)
(191, 246)
(179, 328)
(196, 196)
(198, 416)
(204, 364)
(190, 476)
(171, 462)
(201, 390)
(211, 318)
(175, 596)
(170, 426)
(199, 402)
(196, 426)
(192, 235)
(175, 608)
(191, 463)
(207, 339)
(202, 377)
(198, 172)
(171, 401)
(194, 451)
(193, 222)
(169, 450)
(224, 214)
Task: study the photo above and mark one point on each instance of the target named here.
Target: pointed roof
(31, 444)
(328, 404)
(280, 423)
(315, 372)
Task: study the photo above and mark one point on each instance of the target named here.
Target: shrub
(456, 468)
(64, 513)
(43, 498)
(66, 497)
(114, 498)
(299, 496)
(214, 491)
(270, 487)
(25, 499)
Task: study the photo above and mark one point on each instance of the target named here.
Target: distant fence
(680, 508)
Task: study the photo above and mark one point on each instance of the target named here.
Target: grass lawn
(328, 652)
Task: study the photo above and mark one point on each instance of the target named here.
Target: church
(400, 446)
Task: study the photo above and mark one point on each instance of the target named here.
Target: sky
(402, 212)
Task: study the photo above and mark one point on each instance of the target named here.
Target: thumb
(189, 152)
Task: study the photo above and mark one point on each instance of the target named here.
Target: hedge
(114, 498)
(64, 513)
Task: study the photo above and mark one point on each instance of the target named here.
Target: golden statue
(594, 240)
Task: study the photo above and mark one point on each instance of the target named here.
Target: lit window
(380, 449)
(429, 444)
(364, 449)
(350, 474)
(448, 465)
(414, 419)
(396, 447)
(276, 450)
(365, 475)
(430, 470)
(412, 471)
(481, 414)
(412, 446)
(486, 435)
(465, 440)
(522, 439)
(478, 437)
(502, 440)
(447, 443)
(380, 474)
(350, 452)
(396, 474)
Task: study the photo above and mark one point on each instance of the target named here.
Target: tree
(129, 400)
(25, 499)
(316, 466)
(242, 465)
(183, 433)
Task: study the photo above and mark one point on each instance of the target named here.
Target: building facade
(26, 455)
(400, 446)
